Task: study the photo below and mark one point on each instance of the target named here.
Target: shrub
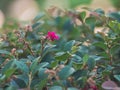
(58, 53)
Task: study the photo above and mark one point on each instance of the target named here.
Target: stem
(30, 80)
(30, 49)
(41, 51)
(109, 53)
(111, 59)
(43, 42)
(28, 46)
(42, 47)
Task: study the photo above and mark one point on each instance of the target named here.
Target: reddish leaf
(109, 85)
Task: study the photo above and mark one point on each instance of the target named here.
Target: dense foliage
(63, 51)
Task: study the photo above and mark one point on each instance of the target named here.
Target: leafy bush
(62, 52)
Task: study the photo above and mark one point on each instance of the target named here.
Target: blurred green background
(26, 10)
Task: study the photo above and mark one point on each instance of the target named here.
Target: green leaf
(66, 72)
(101, 45)
(11, 88)
(62, 56)
(77, 66)
(4, 52)
(90, 20)
(38, 17)
(117, 77)
(115, 26)
(114, 49)
(85, 58)
(68, 45)
(82, 16)
(41, 84)
(68, 25)
(20, 51)
(9, 65)
(34, 65)
(2, 77)
(74, 49)
(76, 59)
(18, 82)
(54, 64)
(91, 64)
(72, 88)
(83, 50)
(114, 15)
(56, 88)
(100, 11)
(82, 81)
(1, 89)
(23, 77)
(9, 72)
(47, 49)
(43, 64)
(41, 74)
(22, 66)
(104, 55)
(105, 73)
(95, 57)
(79, 74)
(37, 25)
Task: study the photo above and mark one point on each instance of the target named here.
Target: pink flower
(51, 35)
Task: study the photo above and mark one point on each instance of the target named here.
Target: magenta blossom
(51, 35)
